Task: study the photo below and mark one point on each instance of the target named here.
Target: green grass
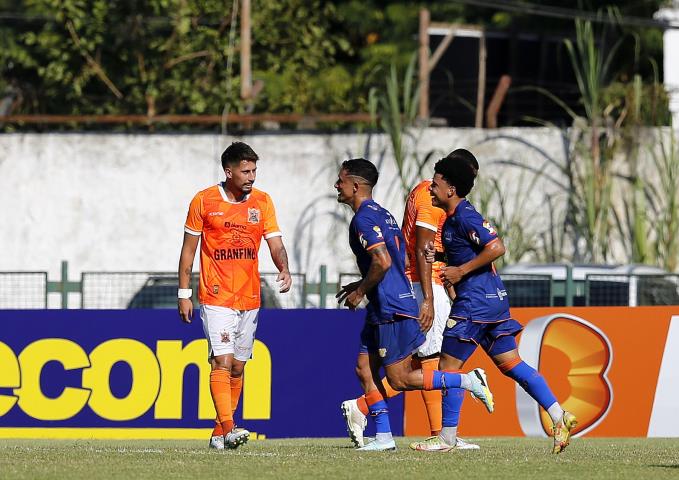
(334, 458)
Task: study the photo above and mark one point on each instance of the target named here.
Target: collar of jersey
(226, 199)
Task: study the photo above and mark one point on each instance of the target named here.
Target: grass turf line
(500, 458)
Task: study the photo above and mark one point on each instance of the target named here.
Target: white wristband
(184, 293)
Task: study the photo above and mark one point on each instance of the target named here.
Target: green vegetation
(182, 56)
(499, 458)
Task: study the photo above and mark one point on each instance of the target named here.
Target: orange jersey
(419, 212)
(230, 237)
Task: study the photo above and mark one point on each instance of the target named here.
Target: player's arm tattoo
(280, 258)
(379, 264)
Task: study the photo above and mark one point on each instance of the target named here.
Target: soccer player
(421, 225)
(480, 312)
(391, 332)
(230, 219)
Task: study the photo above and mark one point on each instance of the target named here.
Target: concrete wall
(118, 202)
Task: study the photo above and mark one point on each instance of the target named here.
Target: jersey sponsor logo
(236, 226)
(253, 215)
(489, 227)
(378, 231)
(363, 241)
(235, 254)
(474, 237)
(212, 214)
(390, 221)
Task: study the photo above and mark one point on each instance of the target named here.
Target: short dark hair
(459, 168)
(236, 153)
(360, 167)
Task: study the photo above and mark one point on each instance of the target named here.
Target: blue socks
(380, 413)
(533, 383)
(443, 380)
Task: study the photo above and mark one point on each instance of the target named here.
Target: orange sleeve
(427, 216)
(194, 219)
(270, 224)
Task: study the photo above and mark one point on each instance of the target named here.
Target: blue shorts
(392, 341)
(461, 339)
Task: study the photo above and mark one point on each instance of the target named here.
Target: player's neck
(358, 200)
(233, 194)
(452, 203)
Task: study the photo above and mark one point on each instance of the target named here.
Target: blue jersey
(480, 295)
(372, 226)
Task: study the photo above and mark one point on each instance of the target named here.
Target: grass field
(334, 458)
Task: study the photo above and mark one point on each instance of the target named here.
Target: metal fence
(634, 290)
(23, 290)
(119, 290)
(529, 290)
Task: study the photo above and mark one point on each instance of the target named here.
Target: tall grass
(396, 108)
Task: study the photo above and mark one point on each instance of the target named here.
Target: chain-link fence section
(529, 290)
(634, 290)
(271, 296)
(23, 290)
(120, 290)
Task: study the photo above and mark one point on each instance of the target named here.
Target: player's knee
(237, 370)
(398, 383)
(221, 364)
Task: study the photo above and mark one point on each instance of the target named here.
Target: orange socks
(389, 392)
(220, 389)
(236, 388)
(432, 398)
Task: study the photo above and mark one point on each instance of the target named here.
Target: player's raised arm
(280, 258)
(188, 252)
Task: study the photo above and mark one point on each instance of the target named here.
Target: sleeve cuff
(191, 232)
(427, 226)
(272, 235)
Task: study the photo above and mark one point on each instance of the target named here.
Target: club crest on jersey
(377, 230)
(474, 237)
(253, 215)
(489, 227)
(382, 352)
(451, 323)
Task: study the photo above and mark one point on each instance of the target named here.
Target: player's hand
(429, 252)
(285, 281)
(346, 290)
(185, 306)
(426, 318)
(354, 299)
(451, 275)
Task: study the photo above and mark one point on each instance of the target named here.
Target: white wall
(115, 202)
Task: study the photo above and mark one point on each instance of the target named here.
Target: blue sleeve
(369, 231)
(478, 230)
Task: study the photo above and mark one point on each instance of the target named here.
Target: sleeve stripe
(428, 226)
(272, 235)
(191, 232)
(374, 246)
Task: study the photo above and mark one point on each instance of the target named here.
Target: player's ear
(227, 172)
